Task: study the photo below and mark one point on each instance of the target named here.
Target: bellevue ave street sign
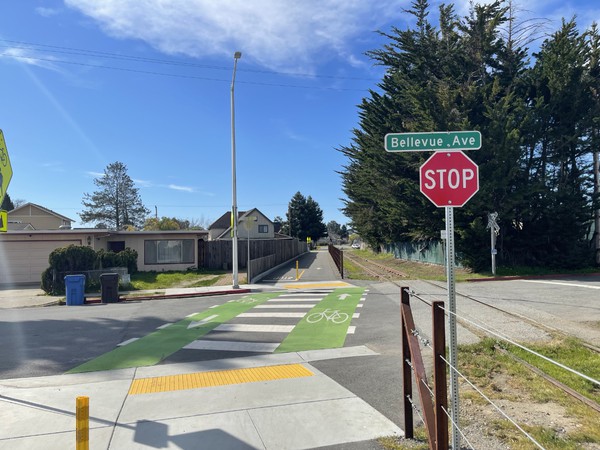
(449, 179)
(439, 140)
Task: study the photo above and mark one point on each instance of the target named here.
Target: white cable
(427, 386)
(494, 405)
(455, 425)
(499, 335)
(414, 407)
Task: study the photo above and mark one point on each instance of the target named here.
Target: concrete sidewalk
(27, 297)
(282, 412)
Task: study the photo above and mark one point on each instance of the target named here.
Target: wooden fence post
(406, 371)
(440, 389)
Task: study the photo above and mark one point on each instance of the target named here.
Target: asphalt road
(53, 340)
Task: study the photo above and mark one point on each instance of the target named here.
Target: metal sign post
(494, 230)
(452, 323)
(449, 178)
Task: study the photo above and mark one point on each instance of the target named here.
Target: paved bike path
(324, 326)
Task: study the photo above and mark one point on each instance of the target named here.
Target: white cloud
(180, 188)
(46, 12)
(143, 183)
(278, 34)
(30, 57)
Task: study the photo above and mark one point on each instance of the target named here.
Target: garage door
(24, 261)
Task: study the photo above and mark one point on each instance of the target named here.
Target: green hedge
(77, 259)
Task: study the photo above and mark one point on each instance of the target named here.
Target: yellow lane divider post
(296, 269)
(82, 423)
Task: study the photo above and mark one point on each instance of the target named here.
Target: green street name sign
(438, 140)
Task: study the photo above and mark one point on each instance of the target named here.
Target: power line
(193, 77)
(85, 52)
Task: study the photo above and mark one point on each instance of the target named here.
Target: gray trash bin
(110, 287)
(75, 289)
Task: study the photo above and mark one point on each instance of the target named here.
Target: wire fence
(491, 331)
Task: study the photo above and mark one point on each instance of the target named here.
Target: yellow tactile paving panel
(218, 378)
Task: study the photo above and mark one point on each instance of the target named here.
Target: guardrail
(434, 402)
(338, 258)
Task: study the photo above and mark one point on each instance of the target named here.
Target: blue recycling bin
(75, 288)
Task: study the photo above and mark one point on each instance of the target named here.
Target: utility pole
(234, 213)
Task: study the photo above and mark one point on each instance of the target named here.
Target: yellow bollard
(296, 270)
(82, 423)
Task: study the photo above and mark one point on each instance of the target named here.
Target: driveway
(23, 297)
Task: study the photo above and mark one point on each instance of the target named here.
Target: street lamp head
(237, 55)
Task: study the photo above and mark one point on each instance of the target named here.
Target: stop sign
(449, 178)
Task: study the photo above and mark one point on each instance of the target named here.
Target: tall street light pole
(234, 214)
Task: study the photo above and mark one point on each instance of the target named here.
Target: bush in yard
(128, 258)
(74, 259)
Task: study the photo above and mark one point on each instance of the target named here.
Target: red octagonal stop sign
(449, 178)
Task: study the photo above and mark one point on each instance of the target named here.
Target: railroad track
(381, 272)
(375, 269)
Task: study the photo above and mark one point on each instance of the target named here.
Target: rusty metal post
(406, 371)
(440, 389)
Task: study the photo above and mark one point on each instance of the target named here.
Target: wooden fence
(338, 258)
(434, 403)
(264, 254)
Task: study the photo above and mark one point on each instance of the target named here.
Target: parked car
(356, 245)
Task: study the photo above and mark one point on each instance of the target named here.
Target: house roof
(46, 210)
(101, 232)
(241, 215)
(224, 221)
(14, 226)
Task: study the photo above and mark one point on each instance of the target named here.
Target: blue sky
(147, 82)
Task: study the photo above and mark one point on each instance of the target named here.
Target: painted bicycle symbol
(333, 315)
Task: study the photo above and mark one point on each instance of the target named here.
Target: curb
(96, 300)
(533, 277)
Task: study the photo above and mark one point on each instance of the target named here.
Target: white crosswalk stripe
(291, 305)
(288, 305)
(278, 315)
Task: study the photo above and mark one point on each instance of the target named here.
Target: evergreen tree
(592, 85)
(7, 204)
(117, 203)
(305, 218)
(539, 125)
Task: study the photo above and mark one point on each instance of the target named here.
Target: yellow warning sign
(3, 221)
(5, 168)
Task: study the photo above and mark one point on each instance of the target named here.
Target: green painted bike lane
(158, 345)
(326, 324)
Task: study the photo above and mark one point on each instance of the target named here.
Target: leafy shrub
(71, 258)
(79, 259)
(128, 258)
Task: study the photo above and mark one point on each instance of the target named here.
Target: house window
(176, 251)
(116, 246)
(263, 228)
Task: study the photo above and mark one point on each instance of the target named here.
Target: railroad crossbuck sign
(449, 178)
